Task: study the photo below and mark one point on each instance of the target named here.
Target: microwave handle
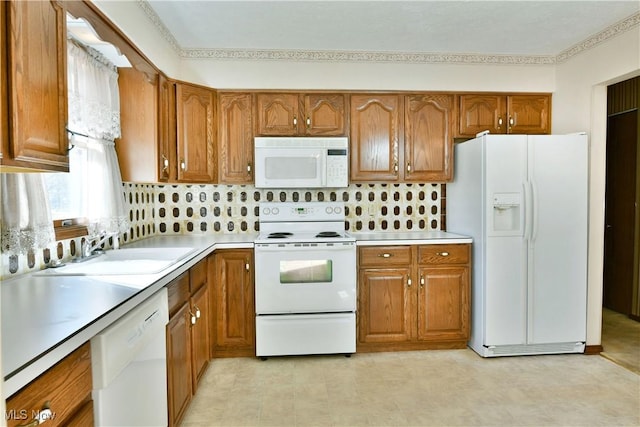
(323, 169)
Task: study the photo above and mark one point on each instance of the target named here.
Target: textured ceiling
(474, 27)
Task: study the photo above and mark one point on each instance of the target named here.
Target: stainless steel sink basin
(126, 261)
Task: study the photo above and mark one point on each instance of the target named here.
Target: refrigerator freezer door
(558, 172)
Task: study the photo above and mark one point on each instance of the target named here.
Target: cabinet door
(4, 106)
(179, 364)
(529, 114)
(443, 303)
(236, 138)
(195, 134)
(384, 305)
(324, 115)
(277, 113)
(428, 143)
(375, 136)
(37, 86)
(234, 303)
(200, 333)
(167, 163)
(482, 112)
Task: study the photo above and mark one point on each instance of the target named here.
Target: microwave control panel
(337, 168)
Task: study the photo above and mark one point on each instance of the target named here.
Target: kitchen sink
(126, 261)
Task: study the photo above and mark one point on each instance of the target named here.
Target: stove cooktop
(306, 237)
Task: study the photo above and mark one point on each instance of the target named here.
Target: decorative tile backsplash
(161, 209)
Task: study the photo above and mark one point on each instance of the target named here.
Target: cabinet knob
(395, 167)
(443, 253)
(248, 168)
(183, 165)
(385, 255)
(408, 167)
(295, 121)
(511, 122)
(194, 319)
(197, 312)
(421, 281)
(499, 122)
(165, 163)
(40, 416)
(308, 122)
(409, 282)
(246, 266)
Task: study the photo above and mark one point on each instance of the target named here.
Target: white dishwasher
(129, 367)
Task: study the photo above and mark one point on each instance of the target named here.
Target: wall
(580, 104)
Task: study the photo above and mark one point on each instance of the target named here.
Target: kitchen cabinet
(293, 114)
(64, 390)
(195, 138)
(500, 114)
(165, 160)
(402, 138)
(413, 297)
(34, 86)
(234, 303)
(235, 136)
(188, 338)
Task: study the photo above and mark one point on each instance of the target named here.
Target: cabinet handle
(248, 168)
(197, 312)
(295, 121)
(511, 122)
(443, 253)
(41, 416)
(395, 167)
(246, 266)
(165, 163)
(385, 255)
(499, 122)
(194, 319)
(183, 165)
(421, 281)
(409, 282)
(308, 122)
(408, 167)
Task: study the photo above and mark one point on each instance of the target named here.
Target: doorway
(622, 216)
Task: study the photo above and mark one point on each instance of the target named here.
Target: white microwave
(301, 162)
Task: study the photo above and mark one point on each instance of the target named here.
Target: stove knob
(266, 211)
(329, 210)
(275, 211)
(337, 210)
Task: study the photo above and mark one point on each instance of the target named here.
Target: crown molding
(385, 57)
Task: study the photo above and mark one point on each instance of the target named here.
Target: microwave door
(286, 168)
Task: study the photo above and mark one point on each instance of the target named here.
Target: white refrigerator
(523, 199)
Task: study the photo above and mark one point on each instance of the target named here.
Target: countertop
(44, 318)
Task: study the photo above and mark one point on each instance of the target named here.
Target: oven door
(305, 278)
(290, 167)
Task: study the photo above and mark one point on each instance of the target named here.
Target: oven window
(291, 167)
(306, 271)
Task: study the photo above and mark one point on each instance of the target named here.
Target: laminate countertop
(46, 317)
(380, 238)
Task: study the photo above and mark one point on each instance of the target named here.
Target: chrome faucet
(90, 246)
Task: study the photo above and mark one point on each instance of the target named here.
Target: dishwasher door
(129, 367)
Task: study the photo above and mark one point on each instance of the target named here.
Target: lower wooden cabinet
(234, 303)
(64, 389)
(188, 338)
(413, 297)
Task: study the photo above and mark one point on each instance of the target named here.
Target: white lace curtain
(94, 118)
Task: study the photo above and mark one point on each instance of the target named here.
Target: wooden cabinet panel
(428, 143)
(443, 304)
(529, 114)
(195, 134)
(384, 305)
(167, 149)
(499, 114)
(324, 114)
(383, 256)
(83, 417)
(235, 138)
(444, 254)
(4, 106)
(277, 114)
(65, 388)
(234, 304)
(200, 333)
(178, 292)
(179, 368)
(375, 137)
(37, 86)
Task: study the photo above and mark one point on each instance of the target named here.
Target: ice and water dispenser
(506, 214)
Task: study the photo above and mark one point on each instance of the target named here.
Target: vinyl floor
(424, 388)
(621, 339)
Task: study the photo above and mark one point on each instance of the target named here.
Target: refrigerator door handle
(534, 209)
(527, 210)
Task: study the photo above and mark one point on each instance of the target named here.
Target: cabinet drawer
(178, 291)
(374, 256)
(444, 254)
(198, 275)
(64, 388)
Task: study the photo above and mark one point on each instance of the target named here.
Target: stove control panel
(302, 211)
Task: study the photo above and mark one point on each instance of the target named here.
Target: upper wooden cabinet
(235, 138)
(195, 139)
(428, 141)
(499, 114)
(33, 134)
(375, 137)
(167, 165)
(293, 114)
(402, 138)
